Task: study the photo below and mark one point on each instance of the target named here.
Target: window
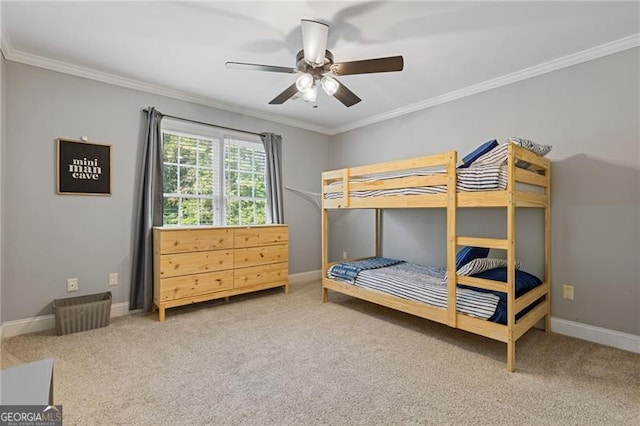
(244, 169)
(212, 179)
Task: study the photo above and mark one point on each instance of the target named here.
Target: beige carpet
(271, 358)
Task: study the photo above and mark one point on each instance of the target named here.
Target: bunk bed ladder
(325, 248)
(547, 248)
(451, 238)
(511, 261)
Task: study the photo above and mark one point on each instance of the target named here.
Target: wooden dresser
(203, 263)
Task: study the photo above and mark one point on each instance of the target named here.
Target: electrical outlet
(114, 279)
(567, 291)
(72, 285)
(344, 255)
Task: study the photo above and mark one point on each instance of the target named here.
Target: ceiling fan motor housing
(304, 67)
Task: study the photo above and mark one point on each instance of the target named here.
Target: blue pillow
(524, 280)
(477, 153)
(468, 253)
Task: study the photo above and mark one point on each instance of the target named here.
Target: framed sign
(83, 168)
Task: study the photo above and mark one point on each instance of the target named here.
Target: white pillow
(480, 265)
(532, 146)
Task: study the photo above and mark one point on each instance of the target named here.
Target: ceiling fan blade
(285, 96)
(314, 41)
(366, 66)
(346, 96)
(259, 67)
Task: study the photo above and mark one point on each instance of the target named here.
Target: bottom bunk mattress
(427, 284)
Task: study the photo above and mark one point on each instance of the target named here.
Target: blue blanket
(349, 270)
(524, 283)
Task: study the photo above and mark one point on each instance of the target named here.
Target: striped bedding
(423, 284)
(487, 173)
(479, 178)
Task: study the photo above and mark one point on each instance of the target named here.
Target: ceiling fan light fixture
(330, 85)
(304, 82)
(310, 94)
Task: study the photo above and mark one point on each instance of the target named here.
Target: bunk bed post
(451, 238)
(378, 233)
(345, 188)
(511, 260)
(547, 248)
(325, 247)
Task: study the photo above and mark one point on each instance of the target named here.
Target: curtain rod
(206, 124)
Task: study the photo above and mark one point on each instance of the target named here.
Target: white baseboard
(47, 322)
(305, 277)
(29, 325)
(121, 309)
(604, 336)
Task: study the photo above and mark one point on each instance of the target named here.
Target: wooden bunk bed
(339, 185)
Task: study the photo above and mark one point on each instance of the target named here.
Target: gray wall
(2, 90)
(49, 238)
(589, 113)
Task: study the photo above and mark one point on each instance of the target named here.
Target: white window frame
(200, 131)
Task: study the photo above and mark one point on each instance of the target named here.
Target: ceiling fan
(315, 66)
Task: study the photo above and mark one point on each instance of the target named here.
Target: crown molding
(92, 74)
(606, 49)
(527, 73)
(5, 44)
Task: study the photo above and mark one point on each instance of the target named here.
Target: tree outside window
(212, 180)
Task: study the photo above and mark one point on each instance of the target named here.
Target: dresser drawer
(250, 237)
(275, 272)
(195, 285)
(173, 265)
(189, 240)
(254, 256)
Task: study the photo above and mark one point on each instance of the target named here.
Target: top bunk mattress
(486, 172)
(480, 178)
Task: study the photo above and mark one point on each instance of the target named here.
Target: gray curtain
(148, 215)
(273, 150)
